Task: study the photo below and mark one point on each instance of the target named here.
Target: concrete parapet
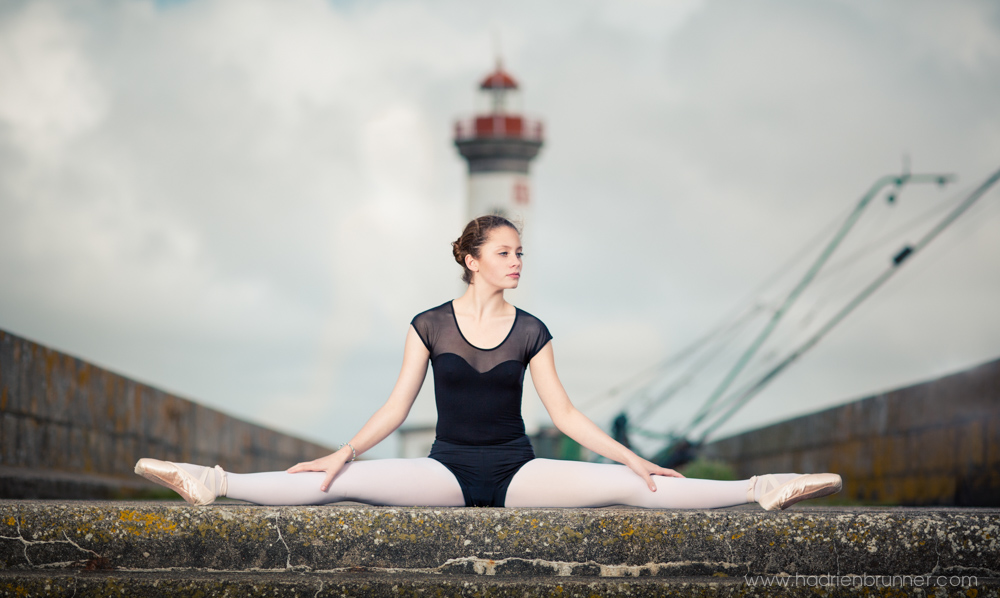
(933, 443)
(613, 542)
(169, 548)
(62, 418)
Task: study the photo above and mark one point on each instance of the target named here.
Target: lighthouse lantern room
(499, 144)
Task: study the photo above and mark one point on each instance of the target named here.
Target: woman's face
(499, 262)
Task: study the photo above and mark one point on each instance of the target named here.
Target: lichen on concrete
(540, 542)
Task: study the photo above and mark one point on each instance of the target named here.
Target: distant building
(415, 440)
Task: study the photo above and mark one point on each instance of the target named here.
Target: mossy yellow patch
(139, 523)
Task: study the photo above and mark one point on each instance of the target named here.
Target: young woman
(480, 346)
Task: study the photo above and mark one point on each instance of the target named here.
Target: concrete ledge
(84, 584)
(541, 543)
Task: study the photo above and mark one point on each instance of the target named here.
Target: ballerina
(480, 346)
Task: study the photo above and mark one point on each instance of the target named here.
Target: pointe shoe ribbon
(768, 483)
(801, 488)
(195, 491)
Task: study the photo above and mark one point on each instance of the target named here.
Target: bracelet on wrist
(354, 454)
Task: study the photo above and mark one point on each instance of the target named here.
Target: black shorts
(483, 472)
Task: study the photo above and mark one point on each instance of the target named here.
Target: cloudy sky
(244, 202)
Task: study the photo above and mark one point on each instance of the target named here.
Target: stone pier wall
(933, 443)
(69, 429)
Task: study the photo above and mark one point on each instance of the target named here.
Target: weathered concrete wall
(70, 429)
(612, 542)
(933, 443)
(77, 548)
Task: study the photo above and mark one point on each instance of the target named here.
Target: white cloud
(51, 95)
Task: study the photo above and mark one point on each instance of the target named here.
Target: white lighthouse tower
(499, 144)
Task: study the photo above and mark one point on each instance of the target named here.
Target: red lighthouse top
(498, 79)
(501, 117)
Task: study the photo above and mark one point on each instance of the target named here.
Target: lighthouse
(499, 144)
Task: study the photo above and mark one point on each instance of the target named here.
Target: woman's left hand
(330, 465)
(646, 470)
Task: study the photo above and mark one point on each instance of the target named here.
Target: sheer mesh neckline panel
(454, 316)
(451, 340)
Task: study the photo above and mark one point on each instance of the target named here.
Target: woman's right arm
(388, 417)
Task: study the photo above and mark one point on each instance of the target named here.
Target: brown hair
(473, 237)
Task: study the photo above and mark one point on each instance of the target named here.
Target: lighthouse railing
(499, 126)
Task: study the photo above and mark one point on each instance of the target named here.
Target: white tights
(539, 483)
(397, 482)
(551, 483)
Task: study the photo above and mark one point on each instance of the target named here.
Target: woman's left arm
(571, 422)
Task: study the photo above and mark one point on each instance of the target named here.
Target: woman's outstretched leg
(397, 482)
(551, 483)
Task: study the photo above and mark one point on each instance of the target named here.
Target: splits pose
(480, 346)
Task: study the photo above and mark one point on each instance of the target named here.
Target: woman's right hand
(330, 464)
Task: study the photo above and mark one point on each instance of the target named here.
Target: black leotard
(480, 432)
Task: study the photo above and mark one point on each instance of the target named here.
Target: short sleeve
(422, 325)
(538, 339)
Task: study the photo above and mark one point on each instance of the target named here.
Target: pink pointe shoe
(196, 491)
(814, 485)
